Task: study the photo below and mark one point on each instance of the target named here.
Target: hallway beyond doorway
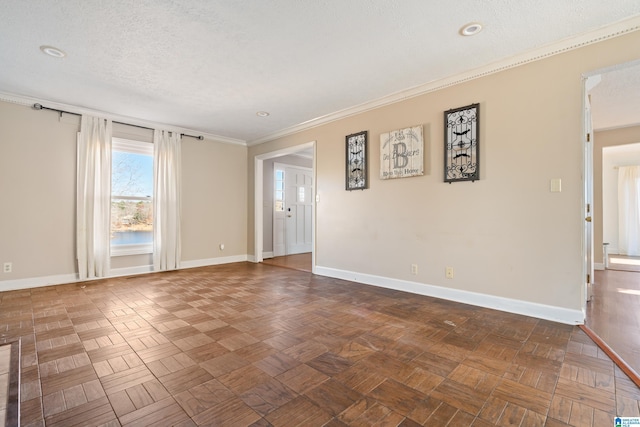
(614, 314)
(300, 262)
(623, 263)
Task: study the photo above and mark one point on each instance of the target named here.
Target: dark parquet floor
(253, 344)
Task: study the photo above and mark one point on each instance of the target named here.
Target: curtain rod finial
(37, 106)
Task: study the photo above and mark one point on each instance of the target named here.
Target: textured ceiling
(210, 65)
(615, 101)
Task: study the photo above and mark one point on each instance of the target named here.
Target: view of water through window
(131, 201)
(131, 237)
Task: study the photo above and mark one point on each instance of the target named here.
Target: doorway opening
(301, 212)
(611, 315)
(291, 212)
(620, 208)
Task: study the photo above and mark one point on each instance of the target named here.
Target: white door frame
(589, 231)
(258, 229)
(589, 81)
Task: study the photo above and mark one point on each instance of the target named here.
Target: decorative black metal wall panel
(356, 161)
(462, 139)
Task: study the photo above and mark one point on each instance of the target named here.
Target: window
(279, 191)
(131, 197)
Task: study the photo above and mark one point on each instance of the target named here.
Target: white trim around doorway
(258, 228)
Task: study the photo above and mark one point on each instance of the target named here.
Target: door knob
(588, 219)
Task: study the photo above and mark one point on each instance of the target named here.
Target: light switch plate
(556, 185)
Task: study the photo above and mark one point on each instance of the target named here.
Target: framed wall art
(402, 153)
(462, 144)
(356, 161)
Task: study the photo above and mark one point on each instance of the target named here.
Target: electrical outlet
(448, 272)
(7, 267)
(221, 246)
(414, 269)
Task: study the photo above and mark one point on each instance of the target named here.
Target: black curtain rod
(199, 137)
(42, 107)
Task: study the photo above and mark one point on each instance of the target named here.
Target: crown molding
(29, 101)
(614, 30)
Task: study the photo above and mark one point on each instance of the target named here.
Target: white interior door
(588, 223)
(588, 193)
(298, 210)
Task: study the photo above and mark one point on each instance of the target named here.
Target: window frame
(134, 147)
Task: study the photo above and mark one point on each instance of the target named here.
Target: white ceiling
(615, 101)
(210, 65)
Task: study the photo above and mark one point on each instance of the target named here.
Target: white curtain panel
(93, 200)
(166, 212)
(629, 210)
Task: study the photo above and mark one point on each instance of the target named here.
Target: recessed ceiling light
(53, 51)
(262, 114)
(471, 29)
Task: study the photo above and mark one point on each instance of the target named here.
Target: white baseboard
(213, 261)
(61, 279)
(131, 271)
(267, 255)
(37, 282)
(541, 311)
(598, 266)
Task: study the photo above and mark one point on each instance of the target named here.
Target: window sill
(126, 250)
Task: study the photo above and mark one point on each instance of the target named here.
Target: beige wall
(37, 192)
(214, 204)
(37, 195)
(506, 235)
(607, 138)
